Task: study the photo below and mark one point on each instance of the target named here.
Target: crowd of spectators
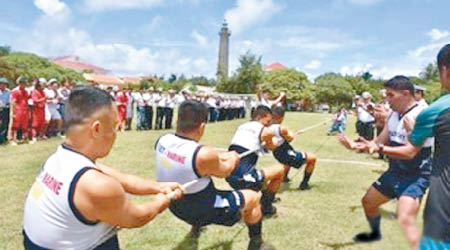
(34, 109)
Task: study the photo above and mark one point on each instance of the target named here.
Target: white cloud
(314, 64)
(356, 69)
(126, 59)
(436, 34)
(50, 7)
(201, 40)
(427, 53)
(103, 5)
(247, 13)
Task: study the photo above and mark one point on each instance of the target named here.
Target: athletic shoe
(367, 237)
(304, 186)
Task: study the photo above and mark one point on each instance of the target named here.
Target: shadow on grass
(190, 242)
(385, 214)
(294, 187)
(225, 245)
(336, 246)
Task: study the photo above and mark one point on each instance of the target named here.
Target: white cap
(366, 95)
(419, 88)
(42, 80)
(51, 81)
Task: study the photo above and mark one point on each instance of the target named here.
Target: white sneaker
(13, 143)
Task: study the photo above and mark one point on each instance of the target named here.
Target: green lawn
(325, 217)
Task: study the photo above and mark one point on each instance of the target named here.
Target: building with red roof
(73, 62)
(274, 66)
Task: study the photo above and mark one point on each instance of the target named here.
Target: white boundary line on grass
(350, 162)
(334, 160)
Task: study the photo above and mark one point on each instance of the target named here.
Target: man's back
(51, 219)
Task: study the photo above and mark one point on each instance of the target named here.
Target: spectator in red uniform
(19, 110)
(121, 102)
(38, 118)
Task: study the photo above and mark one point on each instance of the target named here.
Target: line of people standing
(31, 111)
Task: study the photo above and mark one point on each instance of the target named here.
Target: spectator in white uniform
(419, 93)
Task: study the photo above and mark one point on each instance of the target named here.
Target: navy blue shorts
(209, 206)
(286, 155)
(252, 179)
(393, 185)
(111, 244)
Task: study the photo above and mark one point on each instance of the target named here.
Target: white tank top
(50, 217)
(276, 131)
(396, 127)
(248, 135)
(175, 161)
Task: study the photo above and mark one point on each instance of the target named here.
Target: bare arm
(280, 98)
(286, 133)
(99, 197)
(405, 152)
(211, 163)
(136, 185)
(268, 139)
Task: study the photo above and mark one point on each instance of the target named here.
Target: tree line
(331, 88)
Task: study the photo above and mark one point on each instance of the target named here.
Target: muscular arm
(211, 163)
(286, 133)
(136, 185)
(268, 139)
(99, 197)
(405, 152)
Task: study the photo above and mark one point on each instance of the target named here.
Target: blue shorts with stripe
(209, 206)
(286, 155)
(246, 175)
(393, 185)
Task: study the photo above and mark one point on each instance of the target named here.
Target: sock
(306, 177)
(374, 223)
(255, 229)
(267, 197)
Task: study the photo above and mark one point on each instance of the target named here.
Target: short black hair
(400, 83)
(260, 111)
(443, 57)
(278, 111)
(83, 102)
(191, 114)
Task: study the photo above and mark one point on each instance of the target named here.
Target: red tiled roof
(132, 79)
(274, 66)
(103, 79)
(73, 62)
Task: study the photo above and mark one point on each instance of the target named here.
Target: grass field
(325, 217)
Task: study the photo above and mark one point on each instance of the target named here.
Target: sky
(163, 37)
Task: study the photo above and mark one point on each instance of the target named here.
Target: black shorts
(393, 185)
(286, 155)
(252, 179)
(209, 206)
